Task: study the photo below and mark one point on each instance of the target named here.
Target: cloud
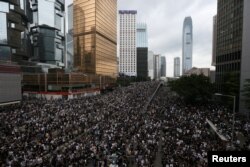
(165, 22)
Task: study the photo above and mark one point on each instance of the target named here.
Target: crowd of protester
(112, 129)
(98, 131)
(186, 135)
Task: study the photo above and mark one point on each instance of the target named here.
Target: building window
(4, 7)
(5, 53)
(3, 28)
(12, 7)
(22, 4)
(13, 51)
(12, 25)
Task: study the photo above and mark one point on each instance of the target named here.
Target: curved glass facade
(95, 36)
(14, 41)
(48, 32)
(187, 45)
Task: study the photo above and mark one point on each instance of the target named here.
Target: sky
(165, 19)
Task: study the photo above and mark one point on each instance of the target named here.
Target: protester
(112, 129)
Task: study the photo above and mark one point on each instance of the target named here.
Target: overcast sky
(165, 21)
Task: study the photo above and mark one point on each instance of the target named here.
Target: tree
(193, 89)
(231, 85)
(246, 93)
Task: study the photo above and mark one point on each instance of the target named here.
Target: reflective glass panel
(5, 53)
(58, 22)
(46, 13)
(4, 7)
(59, 54)
(22, 4)
(3, 28)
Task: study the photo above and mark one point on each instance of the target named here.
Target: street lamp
(234, 98)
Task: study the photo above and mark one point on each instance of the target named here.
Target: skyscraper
(142, 50)
(95, 36)
(163, 66)
(245, 57)
(128, 60)
(48, 32)
(177, 67)
(14, 29)
(69, 40)
(151, 64)
(187, 45)
(229, 44)
(157, 67)
(214, 40)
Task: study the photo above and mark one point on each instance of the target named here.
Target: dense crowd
(113, 129)
(186, 137)
(99, 131)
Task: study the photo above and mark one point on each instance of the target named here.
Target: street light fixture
(234, 99)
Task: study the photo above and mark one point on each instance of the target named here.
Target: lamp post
(234, 99)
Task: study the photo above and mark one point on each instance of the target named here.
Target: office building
(14, 27)
(151, 65)
(142, 50)
(157, 67)
(177, 67)
(69, 41)
(14, 48)
(187, 45)
(202, 71)
(10, 84)
(163, 66)
(214, 40)
(48, 32)
(95, 36)
(229, 44)
(245, 57)
(128, 51)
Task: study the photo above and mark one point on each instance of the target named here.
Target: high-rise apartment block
(187, 45)
(177, 67)
(128, 55)
(142, 50)
(95, 36)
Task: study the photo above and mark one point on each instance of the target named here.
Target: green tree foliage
(193, 89)
(124, 80)
(246, 93)
(231, 84)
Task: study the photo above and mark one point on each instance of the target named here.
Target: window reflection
(46, 12)
(3, 28)
(4, 7)
(5, 53)
(22, 4)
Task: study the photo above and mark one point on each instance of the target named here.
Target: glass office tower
(47, 31)
(70, 48)
(14, 24)
(187, 45)
(95, 36)
(163, 66)
(177, 67)
(142, 50)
